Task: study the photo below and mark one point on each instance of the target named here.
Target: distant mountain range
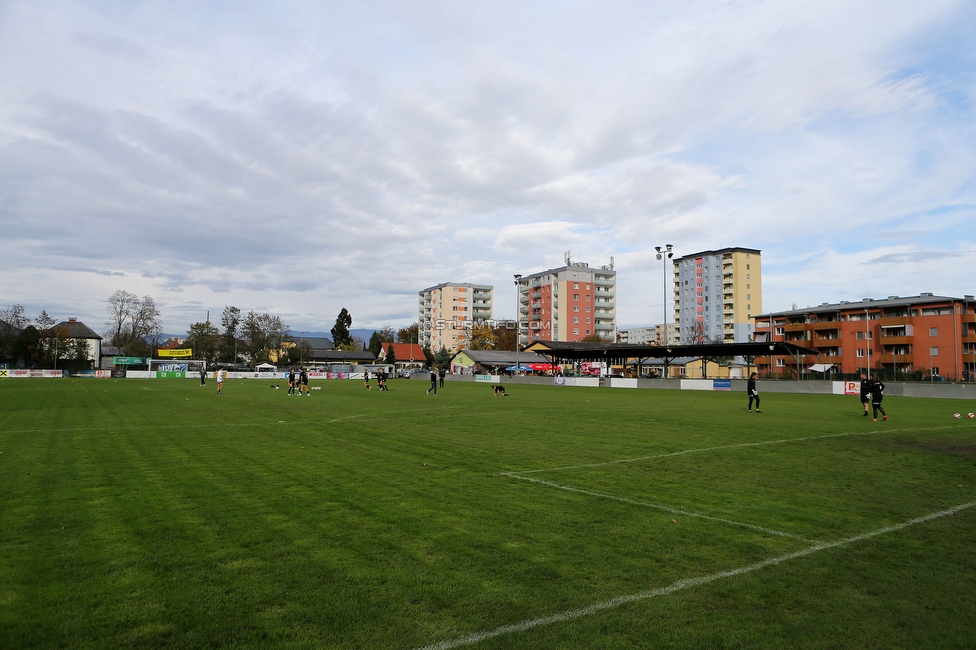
(362, 333)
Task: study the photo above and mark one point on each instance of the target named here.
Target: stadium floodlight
(518, 318)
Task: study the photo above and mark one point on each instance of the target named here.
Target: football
(956, 415)
(971, 415)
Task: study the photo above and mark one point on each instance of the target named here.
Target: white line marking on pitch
(680, 585)
(647, 504)
(737, 445)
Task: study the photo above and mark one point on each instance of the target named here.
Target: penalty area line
(646, 504)
(680, 585)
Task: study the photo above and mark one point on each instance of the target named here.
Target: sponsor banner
(167, 374)
(129, 361)
(487, 378)
(722, 384)
(139, 374)
(97, 374)
(177, 353)
(696, 384)
(849, 387)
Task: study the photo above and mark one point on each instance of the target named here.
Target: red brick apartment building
(927, 334)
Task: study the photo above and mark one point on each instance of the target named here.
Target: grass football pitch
(155, 513)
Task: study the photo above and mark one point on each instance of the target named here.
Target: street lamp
(665, 254)
(518, 319)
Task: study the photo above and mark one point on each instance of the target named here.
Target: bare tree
(135, 324)
(12, 321)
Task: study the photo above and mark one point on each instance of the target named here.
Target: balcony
(969, 338)
(897, 340)
(897, 358)
(825, 342)
(603, 282)
(825, 325)
(969, 357)
(796, 327)
(895, 320)
(608, 327)
(968, 318)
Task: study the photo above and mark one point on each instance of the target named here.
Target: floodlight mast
(664, 254)
(518, 318)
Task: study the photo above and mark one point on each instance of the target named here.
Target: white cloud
(303, 156)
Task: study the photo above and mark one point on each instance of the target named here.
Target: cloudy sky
(299, 157)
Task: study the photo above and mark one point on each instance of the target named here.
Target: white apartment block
(716, 295)
(568, 303)
(449, 310)
(638, 335)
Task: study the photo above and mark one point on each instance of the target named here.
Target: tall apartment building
(640, 335)
(933, 335)
(449, 310)
(653, 335)
(716, 295)
(568, 303)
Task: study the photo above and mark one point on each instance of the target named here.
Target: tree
(443, 357)
(260, 334)
(376, 341)
(28, 347)
(409, 334)
(390, 355)
(12, 321)
(340, 331)
(230, 320)
(44, 321)
(504, 332)
(595, 338)
(135, 325)
(202, 337)
(480, 336)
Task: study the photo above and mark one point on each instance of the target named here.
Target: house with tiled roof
(408, 355)
(73, 331)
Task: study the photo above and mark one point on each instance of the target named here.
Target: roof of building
(734, 249)
(75, 329)
(314, 342)
(588, 351)
(870, 303)
(457, 284)
(501, 357)
(404, 351)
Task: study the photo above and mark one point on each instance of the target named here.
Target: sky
(297, 157)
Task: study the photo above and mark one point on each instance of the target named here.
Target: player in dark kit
(433, 382)
(877, 394)
(291, 381)
(753, 392)
(865, 392)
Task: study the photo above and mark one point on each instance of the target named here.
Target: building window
(575, 319)
(576, 331)
(576, 285)
(933, 331)
(780, 363)
(575, 307)
(934, 352)
(575, 296)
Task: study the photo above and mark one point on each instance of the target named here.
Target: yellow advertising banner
(178, 353)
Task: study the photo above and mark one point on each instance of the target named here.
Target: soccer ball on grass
(956, 415)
